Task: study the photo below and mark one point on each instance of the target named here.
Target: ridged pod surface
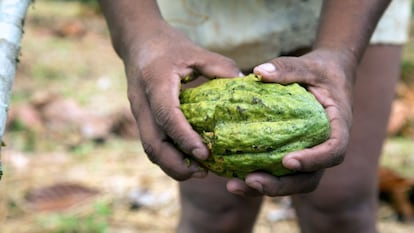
(249, 125)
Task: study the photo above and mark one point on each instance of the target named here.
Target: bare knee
(227, 218)
(351, 208)
(208, 207)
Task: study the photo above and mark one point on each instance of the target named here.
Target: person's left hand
(328, 75)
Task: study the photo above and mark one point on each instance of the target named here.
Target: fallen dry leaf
(58, 197)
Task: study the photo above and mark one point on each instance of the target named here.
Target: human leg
(207, 206)
(345, 200)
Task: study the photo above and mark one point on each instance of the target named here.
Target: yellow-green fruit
(250, 125)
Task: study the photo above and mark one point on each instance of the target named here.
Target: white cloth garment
(254, 31)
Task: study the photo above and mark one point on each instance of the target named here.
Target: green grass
(95, 222)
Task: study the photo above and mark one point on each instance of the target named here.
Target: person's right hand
(328, 75)
(155, 67)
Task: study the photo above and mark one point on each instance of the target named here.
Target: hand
(155, 67)
(328, 75)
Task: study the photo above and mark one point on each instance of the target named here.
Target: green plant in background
(407, 71)
(26, 139)
(412, 6)
(81, 1)
(96, 222)
(92, 3)
(83, 150)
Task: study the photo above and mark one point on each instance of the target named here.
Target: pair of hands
(155, 68)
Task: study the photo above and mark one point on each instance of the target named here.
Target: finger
(239, 187)
(327, 154)
(285, 70)
(213, 65)
(171, 161)
(269, 185)
(165, 107)
(164, 101)
(157, 146)
(161, 152)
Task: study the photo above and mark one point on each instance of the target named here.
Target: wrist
(130, 21)
(129, 41)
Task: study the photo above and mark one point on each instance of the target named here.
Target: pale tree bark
(12, 14)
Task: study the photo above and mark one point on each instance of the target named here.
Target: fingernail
(200, 153)
(256, 185)
(199, 174)
(266, 67)
(238, 192)
(292, 164)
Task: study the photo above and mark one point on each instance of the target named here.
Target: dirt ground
(105, 183)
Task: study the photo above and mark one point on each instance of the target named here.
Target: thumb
(284, 70)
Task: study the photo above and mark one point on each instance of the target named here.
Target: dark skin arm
(157, 57)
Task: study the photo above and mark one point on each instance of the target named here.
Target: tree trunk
(12, 14)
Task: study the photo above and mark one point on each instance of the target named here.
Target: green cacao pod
(249, 125)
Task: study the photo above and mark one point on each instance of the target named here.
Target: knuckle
(165, 118)
(229, 62)
(133, 93)
(182, 141)
(172, 169)
(132, 96)
(285, 64)
(150, 152)
(332, 71)
(337, 156)
(337, 159)
(163, 115)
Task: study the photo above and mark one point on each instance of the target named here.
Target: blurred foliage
(92, 4)
(28, 137)
(95, 222)
(407, 71)
(88, 2)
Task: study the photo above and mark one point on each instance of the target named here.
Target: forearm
(129, 21)
(347, 26)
